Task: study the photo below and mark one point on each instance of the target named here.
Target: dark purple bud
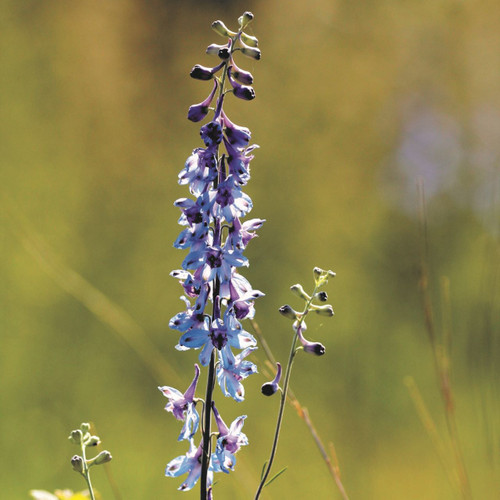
(311, 347)
(241, 91)
(322, 296)
(244, 77)
(224, 54)
(270, 388)
(236, 135)
(288, 312)
(201, 73)
(197, 112)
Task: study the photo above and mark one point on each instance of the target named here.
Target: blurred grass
(93, 133)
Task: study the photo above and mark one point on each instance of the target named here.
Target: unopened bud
(288, 312)
(245, 19)
(201, 73)
(299, 291)
(102, 458)
(249, 40)
(270, 388)
(76, 436)
(214, 48)
(77, 463)
(85, 427)
(326, 310)
(251, 52)
(92, 441)
(220, 28)
(322, 296)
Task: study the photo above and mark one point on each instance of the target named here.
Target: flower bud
(288, 312)
(76, 436)
(270, 388)
(251, 52)
(249, 40)
(201, 72)
(325, 310)
(311, 347)
(241, 91)
(299, 291)
(102, 458)
(322, 296)
(77, 463)
(224, 54)
(236, 135)
(85, 427)
(245, 19)
(244, 77)
(92, 441)
(213, 49)
(220, 28)
(197, 112)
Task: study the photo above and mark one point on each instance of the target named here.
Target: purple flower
(229, 441)
(232, 201)
(198, 111)
(182, 406)
(240, 234)
(239, 161)
(232, 370)
(190, 463)
(199, 170)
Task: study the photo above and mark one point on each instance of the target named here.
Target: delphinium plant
(217, 297)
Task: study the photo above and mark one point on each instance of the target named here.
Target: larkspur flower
(189, 463)
(182, 406)
(232, 370)
(229, 441)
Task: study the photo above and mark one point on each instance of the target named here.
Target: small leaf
(276, 476)
(263, 470)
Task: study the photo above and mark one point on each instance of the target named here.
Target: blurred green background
(356, 101)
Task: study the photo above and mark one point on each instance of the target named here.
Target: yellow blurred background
(356, 101)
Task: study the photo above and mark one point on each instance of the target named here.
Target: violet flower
(182, 406)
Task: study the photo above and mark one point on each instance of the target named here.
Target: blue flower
(199, 170)
(190, 463)
(182, 406)
(232, 370)
(229, 442)
(232, 201)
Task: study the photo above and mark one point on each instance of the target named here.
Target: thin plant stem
(279, 421)
(86, 473)
(303, 413)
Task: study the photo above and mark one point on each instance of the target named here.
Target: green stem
(284, 393)
(86, 473)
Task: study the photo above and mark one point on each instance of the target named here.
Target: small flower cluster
(216, 237)
(81, 464)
